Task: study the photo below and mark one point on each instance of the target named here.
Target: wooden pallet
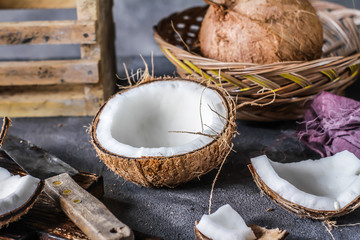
(59, 87)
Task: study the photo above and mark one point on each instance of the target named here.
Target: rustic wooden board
(36, 101)
(45, 220)
(41, 4)
(48, 32)
(48, 72)
(104, 49)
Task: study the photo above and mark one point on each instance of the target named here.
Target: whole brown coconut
(261, 31)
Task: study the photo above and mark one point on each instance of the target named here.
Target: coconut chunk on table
(227, 224)
(319, 189)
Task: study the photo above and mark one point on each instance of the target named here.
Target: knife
(86, 211)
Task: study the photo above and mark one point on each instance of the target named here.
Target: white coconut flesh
(161, 118)
(225, 224)
(15, 190)
(328, 184)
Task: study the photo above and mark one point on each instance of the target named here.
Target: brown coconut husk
(297, 209)
(16, 214)
(261, 32)
(174, 170)
(260, 233)
(4, 129)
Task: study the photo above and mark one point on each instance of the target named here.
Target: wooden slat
(48, 72)
(48, 32)
(104, 48)
(106, 34)
(37, 101)
(87, 11)
(40, 4)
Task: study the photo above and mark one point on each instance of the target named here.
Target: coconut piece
(262, 233)
(226, 224)
(318, 189)
(164, 132)
(17, 193)
(261, 31)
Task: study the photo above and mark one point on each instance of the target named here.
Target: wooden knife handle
(85, 210)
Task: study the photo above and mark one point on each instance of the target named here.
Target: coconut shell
(261, 31)
(174, 170)
(297, 209)
(16, 214)
(260, 233)
(4, 129)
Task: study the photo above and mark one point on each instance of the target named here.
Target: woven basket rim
(287, 64)
(292, 83)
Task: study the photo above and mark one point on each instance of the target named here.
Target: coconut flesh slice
(17, 193)
(164, 132)
(226, 224)
(318, 189)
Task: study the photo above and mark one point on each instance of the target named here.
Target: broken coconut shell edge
(260, 233)
(297, 209)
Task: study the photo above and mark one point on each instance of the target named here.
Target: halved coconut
(226, 224)
(164, 132)
(17, 194)
(318, 189)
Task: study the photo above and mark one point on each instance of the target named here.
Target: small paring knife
(86, 211)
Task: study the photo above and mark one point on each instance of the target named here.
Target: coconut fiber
(331, 124)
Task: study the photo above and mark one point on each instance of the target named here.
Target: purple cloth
(331, 124)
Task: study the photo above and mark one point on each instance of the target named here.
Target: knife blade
(85, 210)
(34, 160)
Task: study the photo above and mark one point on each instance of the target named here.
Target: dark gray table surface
(171, 213)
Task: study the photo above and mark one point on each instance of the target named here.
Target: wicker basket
(270, 92)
